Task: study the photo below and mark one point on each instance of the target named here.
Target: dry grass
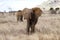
(47, 28)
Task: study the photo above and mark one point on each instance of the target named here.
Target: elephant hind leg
(17, 18)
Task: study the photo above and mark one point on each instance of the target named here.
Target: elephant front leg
(21, 18)
(32, 28)
(28, 29)
(28, 26)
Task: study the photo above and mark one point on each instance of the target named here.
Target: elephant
(32, 15)
(19, 15)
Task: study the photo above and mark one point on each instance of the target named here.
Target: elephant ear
(37, 11)
(27, 13)
(18, 12)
